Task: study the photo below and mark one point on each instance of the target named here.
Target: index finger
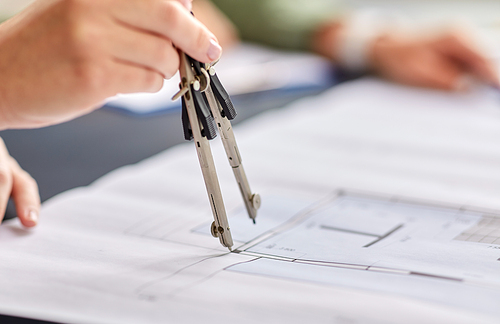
(25, 195)
(171, 20)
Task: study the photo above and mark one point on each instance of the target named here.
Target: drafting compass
(206, 106)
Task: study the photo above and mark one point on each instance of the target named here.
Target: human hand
(62, 58)
(449, 61)
(18, 184)
(445, 62)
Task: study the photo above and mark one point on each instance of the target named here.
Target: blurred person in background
(365, 41)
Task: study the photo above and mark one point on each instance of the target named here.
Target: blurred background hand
(448, 62)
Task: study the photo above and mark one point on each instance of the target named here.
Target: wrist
(360, 36)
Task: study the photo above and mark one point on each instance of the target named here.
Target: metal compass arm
(222, 111)
(199, 125)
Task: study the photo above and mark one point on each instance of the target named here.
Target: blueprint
(417, 250)
(414, 238)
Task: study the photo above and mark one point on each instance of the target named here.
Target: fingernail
(214, 51)
(33, 216)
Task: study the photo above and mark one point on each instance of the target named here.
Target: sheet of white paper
(132, 246)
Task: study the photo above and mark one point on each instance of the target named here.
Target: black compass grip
(204, 115)
(223, 97)
(186, 125)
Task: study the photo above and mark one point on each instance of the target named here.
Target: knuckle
(82, 39)
(162, 52)
(28, 180)
(153, 82)
(202, 39)
(90, 76)
(171, 14)
(165, 57)
(83, 32)
(172, 66)
(5, 176)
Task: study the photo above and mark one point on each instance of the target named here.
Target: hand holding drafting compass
(205, 104)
